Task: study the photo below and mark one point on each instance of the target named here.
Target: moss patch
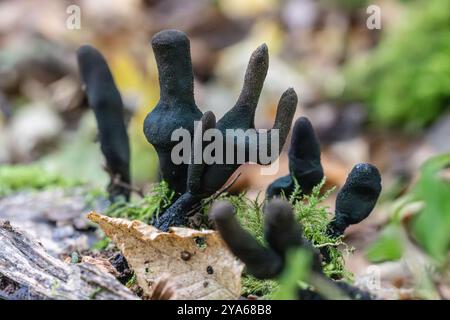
(160, 198)
(30, 177)
(264, 289)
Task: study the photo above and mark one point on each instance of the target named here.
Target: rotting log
(27, 271)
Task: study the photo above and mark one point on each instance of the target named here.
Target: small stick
(116, 180)
(128, 186)
(215, 195)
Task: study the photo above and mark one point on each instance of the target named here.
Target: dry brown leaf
(199, 263)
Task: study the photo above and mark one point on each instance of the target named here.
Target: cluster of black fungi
(194, 182)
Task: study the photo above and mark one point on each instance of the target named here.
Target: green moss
(132, 282)
(261, 288)
(249, 213)
(30, 177)
(160, 198)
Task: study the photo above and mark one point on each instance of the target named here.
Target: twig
(327, 244)
(128, 186)
(116, 180)
(215, 195)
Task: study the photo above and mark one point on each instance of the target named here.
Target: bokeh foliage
(405, 80)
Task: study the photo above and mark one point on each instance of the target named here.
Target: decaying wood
(27, 271)
(55, 216)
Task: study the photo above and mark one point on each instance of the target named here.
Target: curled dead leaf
(198, 262)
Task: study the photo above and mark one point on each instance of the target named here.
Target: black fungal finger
(283, 120)
(260, 262)
(254, 78)
(357, 198)
(195, 171)
(173, 58)
(304, 162)
(106, 102)
(175, 215)
(285, 113)
(176, 108)
(242, 115)
(304, 156)
(281, 186)
(282, 232)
